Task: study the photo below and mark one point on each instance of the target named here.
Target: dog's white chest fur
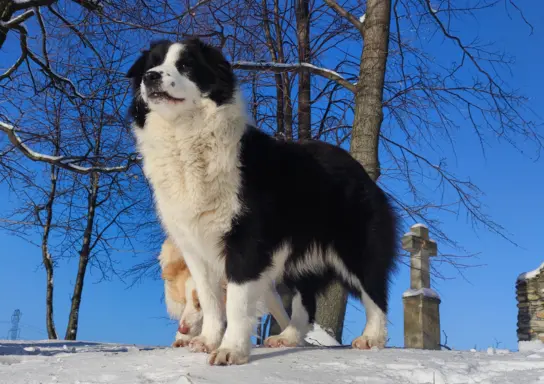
(193, 166)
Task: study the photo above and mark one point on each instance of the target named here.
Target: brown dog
(182, 298)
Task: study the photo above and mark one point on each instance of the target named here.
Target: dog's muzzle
(152, 79)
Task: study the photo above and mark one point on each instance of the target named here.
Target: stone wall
(530, 295)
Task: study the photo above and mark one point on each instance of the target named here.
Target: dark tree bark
(84, 255)
(47, 259)
(46, 256)
(280, 119)
(331, 310)
(286, 84)
(302, 14)
(369, 94)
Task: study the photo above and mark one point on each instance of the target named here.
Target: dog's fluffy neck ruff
(193, 165)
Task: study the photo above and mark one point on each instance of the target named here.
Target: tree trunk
(331, 310)
(46, 256)
(287, 104)
(302, 14)
(288, 107)
(365, 135)
(84, 254)
(280, 120)
(369, 95)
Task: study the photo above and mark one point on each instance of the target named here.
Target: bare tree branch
(68, 163)
(284, 67)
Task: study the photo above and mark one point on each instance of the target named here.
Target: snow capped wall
(530, 296)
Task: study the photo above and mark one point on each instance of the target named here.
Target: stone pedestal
(421, 321)
(421, 303)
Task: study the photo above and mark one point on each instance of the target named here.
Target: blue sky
(477, 310)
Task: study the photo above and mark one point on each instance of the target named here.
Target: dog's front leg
(208, 287)
(241, 317)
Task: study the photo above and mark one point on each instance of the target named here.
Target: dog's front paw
(182, 340)
(227, 356)
(202, 344)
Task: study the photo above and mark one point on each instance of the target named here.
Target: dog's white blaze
(173, 54)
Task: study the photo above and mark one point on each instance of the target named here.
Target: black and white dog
(243, 204)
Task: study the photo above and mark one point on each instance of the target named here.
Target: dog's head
(174, 78)
(192, 316)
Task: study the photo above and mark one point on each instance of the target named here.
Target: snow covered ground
(89, 363)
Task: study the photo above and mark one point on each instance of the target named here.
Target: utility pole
(13, 333)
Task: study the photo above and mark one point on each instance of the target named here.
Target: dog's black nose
(151, 77)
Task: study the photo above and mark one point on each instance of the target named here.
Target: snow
(419, 226)
(427, 292)
(531, 274)
(17, 19)
(362, 18)
(82, 362)
(286, 66)
(531, 346)
(319, 337)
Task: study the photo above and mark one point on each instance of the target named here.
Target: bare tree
(66, 111)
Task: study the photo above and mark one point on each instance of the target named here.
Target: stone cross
(421, 303)
(421, 249)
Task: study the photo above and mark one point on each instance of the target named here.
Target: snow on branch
(17, 19)
(68, 163)
(357, 23)
(282, 67)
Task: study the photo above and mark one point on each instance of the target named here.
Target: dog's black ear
(214, 59)
(138, 68)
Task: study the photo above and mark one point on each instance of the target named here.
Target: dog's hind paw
(226, 356)
(279, 342)
(366, 342)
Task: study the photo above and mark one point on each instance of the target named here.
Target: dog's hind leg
(375, 332)
(303, 313)
(275, 306)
